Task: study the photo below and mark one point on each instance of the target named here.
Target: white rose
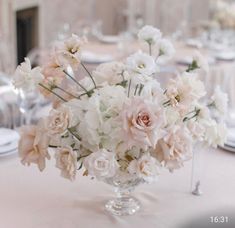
(141, 63)
(66, 161)
(101, 164)
(26, 78)
(149, 34)
(146, 168)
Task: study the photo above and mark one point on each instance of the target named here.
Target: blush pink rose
(143, 123)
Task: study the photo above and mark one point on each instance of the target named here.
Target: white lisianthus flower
(220, 102)
(26, 78)
(152, 91)
(141, 63)
(216, 133)
(101, 164)
(66, 161)
(149, 34)
(166, 50)
(175, 148)
(142, 123)
(110, 73)
(146, 168)
(201, 61)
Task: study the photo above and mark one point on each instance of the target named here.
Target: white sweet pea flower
(166, 50)
(68, 52)
(26, 78)
(141, 63)
(101, 164)
(219, 101)
(110, 73)
(149, 34)
(146, 168)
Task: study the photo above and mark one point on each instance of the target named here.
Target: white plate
(109, 39)
(225, 55)
(95, 58)
(9, 153)
(188, 60)
(194, 43)
(228, 148)
(7, 135)
(13, 145)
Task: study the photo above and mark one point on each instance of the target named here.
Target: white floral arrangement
(118, 120)
(224, 14)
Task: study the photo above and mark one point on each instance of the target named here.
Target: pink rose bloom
(175, 148)
(33, 145)
(66, 161)
(143, 123)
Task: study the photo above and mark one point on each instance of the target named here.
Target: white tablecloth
(30, 199)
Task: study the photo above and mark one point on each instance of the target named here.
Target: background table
(30, 199)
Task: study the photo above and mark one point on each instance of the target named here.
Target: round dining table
(33, 199)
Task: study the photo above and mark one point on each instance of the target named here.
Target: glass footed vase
(124, 203)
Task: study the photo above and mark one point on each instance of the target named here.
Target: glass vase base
(123, 206)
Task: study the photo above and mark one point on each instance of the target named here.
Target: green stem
(75, 135)
(150, 49)
(51, 91)
(129, 88)
(89, 74)
(70, 94)
(75, 81)
(136, 89)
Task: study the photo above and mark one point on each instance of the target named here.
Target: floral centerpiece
(117, 124)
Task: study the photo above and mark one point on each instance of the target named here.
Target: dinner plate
(11, 152)
(109, 39)
(7, 135)
(188, 60)
(95, 58)
(13, 145)
(225, 55)
(228, 148)
(230, 143)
